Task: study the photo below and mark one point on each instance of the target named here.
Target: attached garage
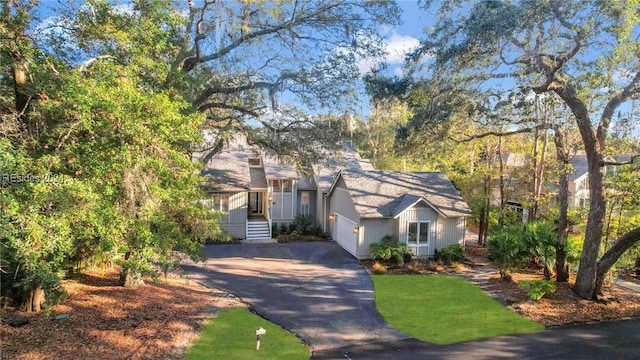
(423, 210)
(345, 235)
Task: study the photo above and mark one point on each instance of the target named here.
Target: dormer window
(255, 162)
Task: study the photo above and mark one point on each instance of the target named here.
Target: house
(515, 189)
(356, 205)
(579, 182)
(253, 190)
(422, 209)
(323, 175)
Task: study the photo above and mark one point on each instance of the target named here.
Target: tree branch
(500, 134)
(631, 89)
(620, 163)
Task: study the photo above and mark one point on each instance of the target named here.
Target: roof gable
(386, 194)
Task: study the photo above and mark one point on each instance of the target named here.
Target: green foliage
(302, 223)
(444, 309)
(106, 176)
(230, 334)
(450, 254)
(390, 251)
(541, 241)
(537, 289)
(506, 249)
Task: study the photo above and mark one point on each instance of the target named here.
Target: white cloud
(396, 46)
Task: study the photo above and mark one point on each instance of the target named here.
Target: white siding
(451, 231)
(235, 221)
(340, 202)
(372, 231)
(283, 204)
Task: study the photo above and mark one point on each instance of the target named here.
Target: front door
(256, 203)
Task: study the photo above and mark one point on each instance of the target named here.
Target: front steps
(258, 229)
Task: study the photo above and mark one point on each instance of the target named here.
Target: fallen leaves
(157, 320)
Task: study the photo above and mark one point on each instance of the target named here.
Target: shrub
(391, 252)
(275, 230)
(283, 229)
(537, 289)
(506, 249)
(541, 241)
(450, 254)
(302, 223)
(378, 268)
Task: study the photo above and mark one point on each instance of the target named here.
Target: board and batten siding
(235, 221)
(311, 207)
(321, 210)
(283, 204)
(451, 231)
(340, 202)
(372, 231)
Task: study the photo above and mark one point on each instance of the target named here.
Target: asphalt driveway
(316, 290)
(322, 294)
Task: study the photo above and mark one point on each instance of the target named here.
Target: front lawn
(230, 335)
(444, 309)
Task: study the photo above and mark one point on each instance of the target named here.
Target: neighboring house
(514, 191)
(422, 209)
(579, 182)
(352, 202)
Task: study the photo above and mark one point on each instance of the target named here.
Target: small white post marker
(259, 334)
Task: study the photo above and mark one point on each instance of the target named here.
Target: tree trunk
(533, 207)
(562, 156)
(484, 212)
(538, 179)
(34, 300)
(586, 280)
(609, 258)
(501, 184)
(594, 144)
(129, 278)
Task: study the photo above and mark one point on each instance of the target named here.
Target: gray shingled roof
(228, 171)
(275, 170)
(378, 194)
(580, 167)
(349, 160)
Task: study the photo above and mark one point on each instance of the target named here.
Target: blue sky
(401, 38)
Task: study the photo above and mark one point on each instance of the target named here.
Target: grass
(230, 334)
(444, 309)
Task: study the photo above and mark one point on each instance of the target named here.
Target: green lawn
(230, 335)
(444, 309)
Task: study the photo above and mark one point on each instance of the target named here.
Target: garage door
(344, 234)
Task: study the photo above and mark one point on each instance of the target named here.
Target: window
(286, 186)
(219, 202)
(418, 234)
(304, 203)
(281, 186)
(277, 187)
(254, 162)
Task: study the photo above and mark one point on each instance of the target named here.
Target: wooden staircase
(258, 229)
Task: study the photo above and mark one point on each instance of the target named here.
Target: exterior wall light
(356, 230)
(332, 216)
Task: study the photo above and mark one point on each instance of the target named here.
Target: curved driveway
(322, 294)
(316, 290)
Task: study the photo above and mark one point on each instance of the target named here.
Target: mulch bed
(106, 321)
(563, 307)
